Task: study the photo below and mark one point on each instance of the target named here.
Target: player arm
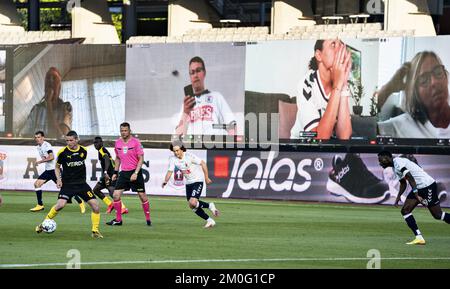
(117, 164)
(413, 184)
(408, 177)
(58, 175)
(167, 178)
(139, 164)
(401, 190)
(205, 172)
(107, 163)
(411, 181)
(48, 158)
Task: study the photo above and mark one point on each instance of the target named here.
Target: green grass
(249, 234)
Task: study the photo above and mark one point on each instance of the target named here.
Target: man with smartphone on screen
(204, 112)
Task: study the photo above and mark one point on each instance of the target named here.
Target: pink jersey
(128, 153)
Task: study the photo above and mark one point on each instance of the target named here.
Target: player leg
(95, 218)
(139, 187)
(193, 192)
(80, 203)
(60, 204)
(410, 203)
(84, 191)
(438, 214)
(37, 188)
(98, 192)
(431, 195)
(145, 207)
(118, 207)
(111, 193)
(211, 206)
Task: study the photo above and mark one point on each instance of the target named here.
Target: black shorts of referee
(124, 183)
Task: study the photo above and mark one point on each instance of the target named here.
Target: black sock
(199, 211)
(412, 224)
(77, 198)
(39, 197)
(203, 204)
(446, 218)
(99, 194)
(111, 192)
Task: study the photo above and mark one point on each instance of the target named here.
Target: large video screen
(333, 89)
(189, 89)
(58, 88)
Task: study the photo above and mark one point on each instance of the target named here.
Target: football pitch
(249, 235)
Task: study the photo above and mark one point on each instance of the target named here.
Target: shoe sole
(335, 189)
(421, 244)
(31, 210)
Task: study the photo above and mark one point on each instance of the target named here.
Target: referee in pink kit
(129, 157)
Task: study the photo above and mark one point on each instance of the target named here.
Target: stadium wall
(293, 176)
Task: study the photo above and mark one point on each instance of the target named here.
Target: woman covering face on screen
(426, 101)
(323, 97)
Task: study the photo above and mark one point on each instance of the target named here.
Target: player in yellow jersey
(72, 181)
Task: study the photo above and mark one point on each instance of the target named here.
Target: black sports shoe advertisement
(329, 177)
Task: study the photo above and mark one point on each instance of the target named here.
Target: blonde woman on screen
(427, 109)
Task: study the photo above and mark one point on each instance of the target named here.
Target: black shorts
(124, 183)
(69, 191)
(48, 176)
(428, 193)
(194, 190)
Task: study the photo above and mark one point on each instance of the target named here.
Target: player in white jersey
(46, 154)
(191, 166)
(204, 112)
(424, 191)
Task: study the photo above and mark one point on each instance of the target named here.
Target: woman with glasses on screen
(427, 109)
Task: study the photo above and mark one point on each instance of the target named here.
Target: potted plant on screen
(373, 103)
(357, 91)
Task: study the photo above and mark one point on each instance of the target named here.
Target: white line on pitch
(220, 261)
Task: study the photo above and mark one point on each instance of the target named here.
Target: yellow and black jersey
(102, 152)
(73, 165)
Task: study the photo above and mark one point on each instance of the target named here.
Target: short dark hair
(72, 133)
(125, 124)
(199, 60)
(98, 138)
(177, 143)
(40, 132)
(385, 154)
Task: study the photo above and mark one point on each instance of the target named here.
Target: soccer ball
(49, 226)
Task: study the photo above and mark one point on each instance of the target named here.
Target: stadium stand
(25, 37)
